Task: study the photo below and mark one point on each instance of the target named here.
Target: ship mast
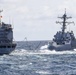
(64, 22)
(0, 16)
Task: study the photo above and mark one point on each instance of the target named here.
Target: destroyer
(7, 45)
(63, 40)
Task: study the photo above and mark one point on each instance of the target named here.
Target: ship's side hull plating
(7, 48)
(64, 47)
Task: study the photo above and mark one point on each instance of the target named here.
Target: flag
(0, 16)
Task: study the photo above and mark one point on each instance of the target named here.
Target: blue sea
(33, 58)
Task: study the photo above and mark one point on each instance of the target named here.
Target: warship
(63, 40)
(7, 45)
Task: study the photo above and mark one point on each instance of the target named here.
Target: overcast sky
(35, 19)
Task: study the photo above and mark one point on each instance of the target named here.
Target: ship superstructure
(6, 38)
(63, 40)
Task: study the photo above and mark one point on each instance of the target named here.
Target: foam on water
(43, 72)
(45, 51)
(57, 52)
(20, 52)
(44, 47)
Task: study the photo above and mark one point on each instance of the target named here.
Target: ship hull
(64, 47)
(7, 48)
(60, 48)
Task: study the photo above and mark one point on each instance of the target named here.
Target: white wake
(29, 52)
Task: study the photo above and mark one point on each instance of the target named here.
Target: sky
(36, 19)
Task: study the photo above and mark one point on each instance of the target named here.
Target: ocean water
(32, 58)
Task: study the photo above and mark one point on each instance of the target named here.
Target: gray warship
(63, 40)
(7, 45)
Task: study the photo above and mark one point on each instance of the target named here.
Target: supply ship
(7, 45)
(63, 40)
